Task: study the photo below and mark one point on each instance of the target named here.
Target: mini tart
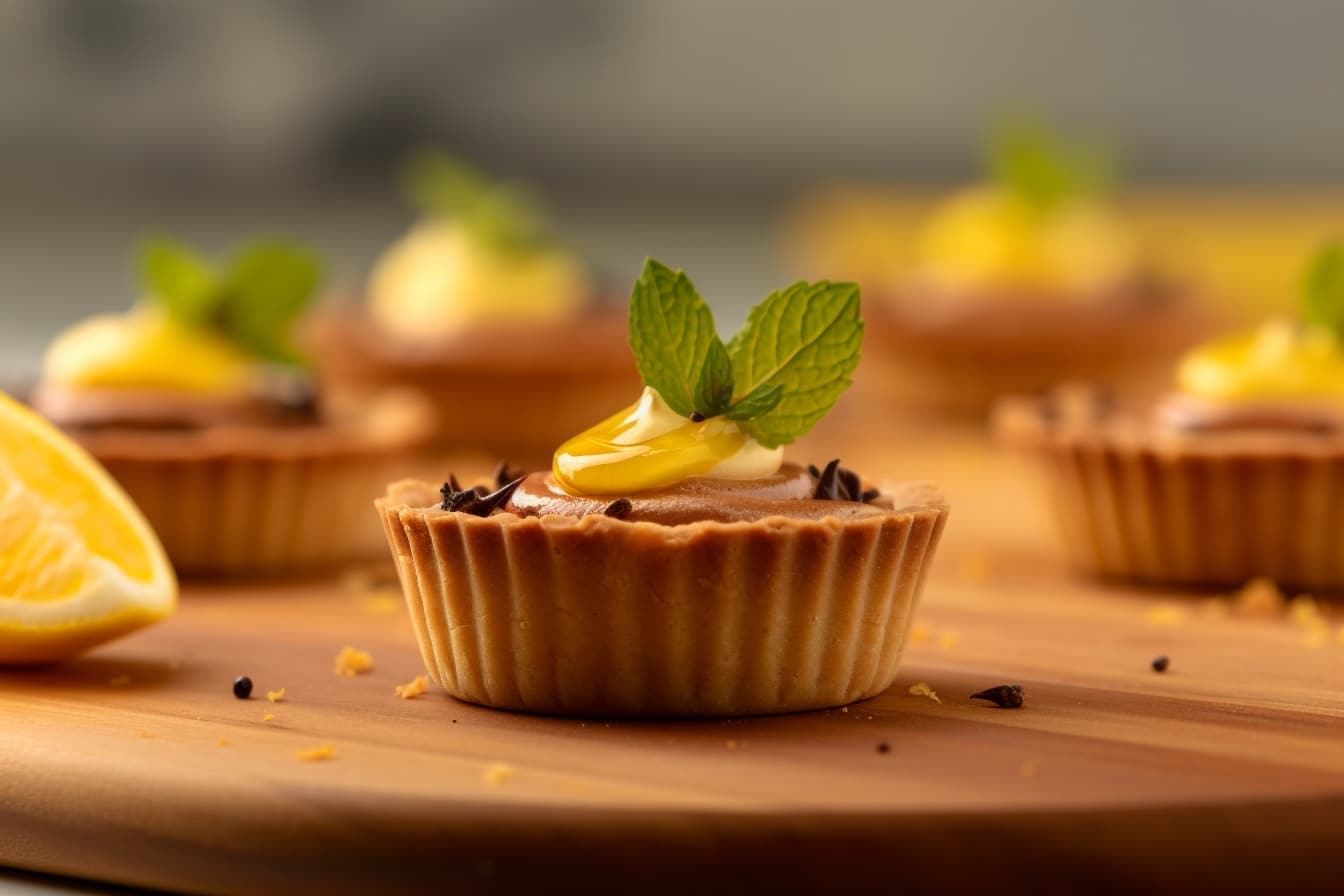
(1141, 500)
(257, 499)
(955, 354)
(584, 614)
(512, 391)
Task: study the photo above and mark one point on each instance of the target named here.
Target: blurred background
(695, 131)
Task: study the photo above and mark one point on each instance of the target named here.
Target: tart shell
(600, 617)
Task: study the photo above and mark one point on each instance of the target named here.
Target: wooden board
(136, 764)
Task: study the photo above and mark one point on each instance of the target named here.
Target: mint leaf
(1323, 289)
(1041, 169)
(714, 387)
(804, 340)
(178, 279)
(671, 334)
(502, 215)
(761, 401)
(263, 293)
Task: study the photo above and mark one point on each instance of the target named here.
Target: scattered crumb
(1027, 769)
(1258, 597)
(1004, 696)
(352, 661)
(920, 634)
(268, 717)
(1166, 616)
(732, 745)
(315, 754)
(413, 689)
(118, 681)
(844, 709)
(496, 773)
(948, 640)
(275, 696)
(223, 741)
(1161, 663)
(923, 690)
(1304, 611)
(974, 568)
(1316, 639)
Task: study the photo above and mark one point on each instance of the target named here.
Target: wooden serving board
(137, 765)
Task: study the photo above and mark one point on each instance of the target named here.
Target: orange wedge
(78, 563)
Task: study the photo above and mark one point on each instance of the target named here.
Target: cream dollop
(440, 278)
(648, 445)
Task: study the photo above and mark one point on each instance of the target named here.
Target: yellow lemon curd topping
(990, 237)
(442, 277)
(1281, 359)
(146, 350)
(648, 445)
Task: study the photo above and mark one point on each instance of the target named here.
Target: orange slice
(79, 565)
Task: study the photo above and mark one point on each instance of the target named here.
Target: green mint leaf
(1041, 169)
(714, 387)
(504, 216)
(178, 279)
(805, 340)
(1323, 289)
(671, 331)
(263, 293)
(759, 402)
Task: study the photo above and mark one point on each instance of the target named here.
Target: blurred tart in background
(1235, 473)
(483, 314)
(199, 404)
(670, 562)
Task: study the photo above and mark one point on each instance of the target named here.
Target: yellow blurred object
(145, 349)
(1281, 359)
(986, 237)
(78, 563)
(440, 278)
(648, 445)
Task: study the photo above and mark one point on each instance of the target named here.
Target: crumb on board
(923, 690)
(974, 568)
(1258, 597)
(948, 640)
(496, 773)
(352, 661)
(118, 681)
(1166, 616)
(268, 717)
(315, 754)
(275, 696)
(919, 634)
(412, 689)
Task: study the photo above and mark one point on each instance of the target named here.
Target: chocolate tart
(955, 354)
(704, 599)
(261, 494)
(511, 391)
(1164, 496)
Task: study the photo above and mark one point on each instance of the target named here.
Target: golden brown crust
(598, 616)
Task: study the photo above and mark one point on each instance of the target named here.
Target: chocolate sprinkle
(472, 501)
(1004, 696)
(618, 509)
(835, 483)
(1161, 663)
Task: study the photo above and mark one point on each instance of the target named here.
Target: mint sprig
(1043, 170)
(777, 377)
(254, 300)
(503, 215)
(1323, 289)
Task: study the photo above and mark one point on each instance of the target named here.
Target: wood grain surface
(136, 764)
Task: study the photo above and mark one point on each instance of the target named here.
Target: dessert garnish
(835, 483)
(1004, 696)
(618, 509)
(711, 408)
(474, 500)
(1041, 169)
(503, 214)
(242, 687)
(1161, 663)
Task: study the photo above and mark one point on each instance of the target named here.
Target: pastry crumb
(1258, 597)
(1166, 616)
(496, 773)
(948, 640)
(414, 688)
(315, 754)
(920, 634)
(352, 661)
(923, 690)
(268, 717)
(118, 681)
(275, 696)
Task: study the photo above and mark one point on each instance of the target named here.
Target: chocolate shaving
(504, 474)
(1004, 696)
(619, 509)
(836, 483)
(472, 501)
